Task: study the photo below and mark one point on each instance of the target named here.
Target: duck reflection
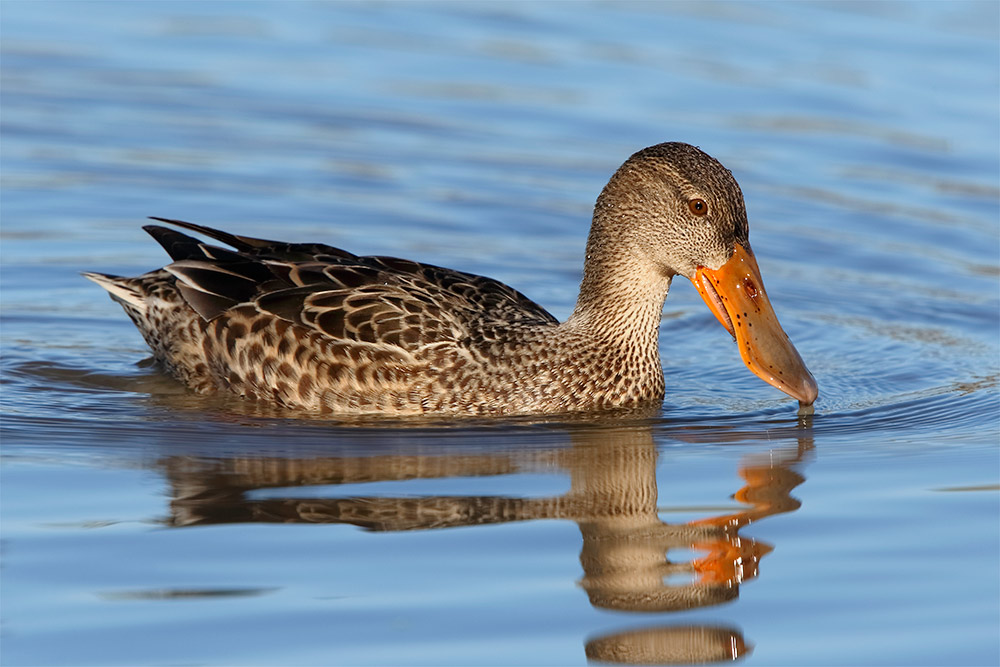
(627, 547)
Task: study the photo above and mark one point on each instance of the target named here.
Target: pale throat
(624, 304)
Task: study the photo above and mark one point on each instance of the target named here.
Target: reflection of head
(669, 646)
(630, 571)
(626, 555)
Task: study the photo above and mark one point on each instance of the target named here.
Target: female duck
(313, 327)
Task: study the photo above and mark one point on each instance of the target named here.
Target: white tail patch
(121, 289)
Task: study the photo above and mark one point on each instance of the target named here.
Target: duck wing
(382, 300)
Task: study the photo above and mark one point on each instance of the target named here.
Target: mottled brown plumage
(313, 327)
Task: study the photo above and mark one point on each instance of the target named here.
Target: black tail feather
(259, 248)
(243, 243)
(178, 246)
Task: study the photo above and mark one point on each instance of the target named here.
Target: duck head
(678, 211)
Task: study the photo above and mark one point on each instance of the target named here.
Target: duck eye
(698, 206)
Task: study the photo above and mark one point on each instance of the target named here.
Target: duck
(312, 327)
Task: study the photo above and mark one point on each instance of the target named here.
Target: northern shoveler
(314, 327)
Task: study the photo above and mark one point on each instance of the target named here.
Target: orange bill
(735, 294)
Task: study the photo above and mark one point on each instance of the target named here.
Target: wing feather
(382, 300)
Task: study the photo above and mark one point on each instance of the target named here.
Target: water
(142, 525)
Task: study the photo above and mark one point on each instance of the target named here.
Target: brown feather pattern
(317, 328)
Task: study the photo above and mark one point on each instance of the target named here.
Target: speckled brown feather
(313, 327)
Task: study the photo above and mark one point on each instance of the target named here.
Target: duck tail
(123, 290)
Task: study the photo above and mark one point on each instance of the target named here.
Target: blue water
(144, 525)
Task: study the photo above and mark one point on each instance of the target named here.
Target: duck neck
(621, 300)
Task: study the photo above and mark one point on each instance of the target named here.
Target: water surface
(143, 525)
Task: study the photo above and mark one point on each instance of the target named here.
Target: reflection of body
(313, 327)
(612, 498)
